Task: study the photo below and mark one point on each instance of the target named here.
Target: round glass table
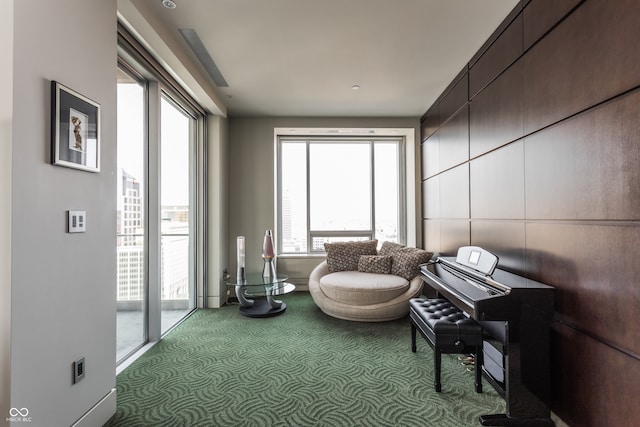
(256, 295)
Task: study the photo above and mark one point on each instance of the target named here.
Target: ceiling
(303, 57)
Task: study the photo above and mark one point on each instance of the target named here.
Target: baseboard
(100, 413)
(302, 283)
(214, 302)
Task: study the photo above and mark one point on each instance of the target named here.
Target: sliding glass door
(176, 199)
(160, 134)
(131, 239)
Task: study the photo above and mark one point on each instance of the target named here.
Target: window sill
(303, 256)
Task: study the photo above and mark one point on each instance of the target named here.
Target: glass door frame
(160, 83)
(126, 68)
(194, 185)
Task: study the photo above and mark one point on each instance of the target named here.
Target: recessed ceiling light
(169, 4)
(355, 87)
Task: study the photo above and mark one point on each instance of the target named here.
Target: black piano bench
(447, 330)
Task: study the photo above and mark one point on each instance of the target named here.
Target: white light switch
(77, 221)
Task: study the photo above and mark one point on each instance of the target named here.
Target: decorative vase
(240, 277)
(268, 256)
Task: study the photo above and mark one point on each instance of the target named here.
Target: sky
(175, 128)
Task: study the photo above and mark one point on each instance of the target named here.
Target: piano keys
(515, 314)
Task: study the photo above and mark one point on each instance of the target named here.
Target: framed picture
(75, 129)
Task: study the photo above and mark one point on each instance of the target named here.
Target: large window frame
(315, 237)
(160, 87)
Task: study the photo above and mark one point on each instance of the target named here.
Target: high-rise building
(130, 210)
(130, 238)
(174, 245)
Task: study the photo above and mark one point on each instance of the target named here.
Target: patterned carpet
(302, 368)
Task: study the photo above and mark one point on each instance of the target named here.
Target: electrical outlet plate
(77, 221)
(79, 370)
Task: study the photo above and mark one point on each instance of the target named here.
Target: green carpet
(302, 368)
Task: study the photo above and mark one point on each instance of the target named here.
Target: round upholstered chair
(361, 296)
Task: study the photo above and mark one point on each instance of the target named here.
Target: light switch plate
(77, 221)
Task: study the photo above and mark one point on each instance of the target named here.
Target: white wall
(217, 212)
(251, 182)
(63, 285)
(6, 114)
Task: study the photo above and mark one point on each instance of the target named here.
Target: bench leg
(413, 337)
(437, 366)
(478, 361)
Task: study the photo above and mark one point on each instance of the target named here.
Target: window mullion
(154, 220)
(308, 183)
(372, 188)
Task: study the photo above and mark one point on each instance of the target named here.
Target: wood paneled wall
(533, 152)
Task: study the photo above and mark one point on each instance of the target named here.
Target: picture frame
(75, 129)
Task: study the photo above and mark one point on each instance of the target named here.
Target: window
(176, 185)
(160, 139)
(131, 242)
(338, 189)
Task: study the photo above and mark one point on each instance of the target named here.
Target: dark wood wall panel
(540, 15)
(497, 184)
(517, 10)
(594, 384)
(430, 122)
(597, 289)
(454, 140)
(593, 56)
(496, 114)
(506, 240)
(431, 156)
(431, 235)
(453, 234)
(502, 53)
(594, 169)
(553, 186)
(431, 197)
(455, 98)
(454, 192)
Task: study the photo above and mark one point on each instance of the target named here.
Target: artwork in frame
(75, 129)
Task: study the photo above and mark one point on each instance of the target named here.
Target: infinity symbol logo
(14, 412)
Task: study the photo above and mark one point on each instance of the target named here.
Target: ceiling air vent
(203, 56)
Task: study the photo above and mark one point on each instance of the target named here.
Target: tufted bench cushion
(447, 330)
(445, 323)
(359, 288)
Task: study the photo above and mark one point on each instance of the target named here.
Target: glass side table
(256, 295)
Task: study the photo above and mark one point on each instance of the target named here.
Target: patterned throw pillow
(388, 248)
(344, 256)
(405, 261)
(379, 264)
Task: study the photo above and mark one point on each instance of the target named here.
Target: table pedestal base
(262, 308)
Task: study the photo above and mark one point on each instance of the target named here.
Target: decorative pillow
(388, 248)
(379, 264)
(406, 261)
(344, 256)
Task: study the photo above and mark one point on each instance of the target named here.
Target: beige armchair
(360, 296)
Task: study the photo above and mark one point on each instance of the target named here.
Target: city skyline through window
(337, 190)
